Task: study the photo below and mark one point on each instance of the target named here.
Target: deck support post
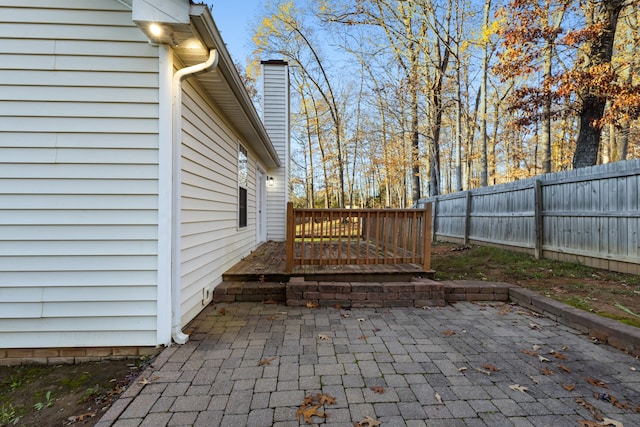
(291, 237)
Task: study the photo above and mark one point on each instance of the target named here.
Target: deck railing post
(426, 221)
(291, 237)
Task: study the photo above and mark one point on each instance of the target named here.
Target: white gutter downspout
(176, 312)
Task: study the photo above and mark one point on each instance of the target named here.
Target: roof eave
(208, 33)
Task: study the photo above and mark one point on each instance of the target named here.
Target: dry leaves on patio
(311, 405)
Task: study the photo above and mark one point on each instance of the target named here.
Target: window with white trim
(243, 178)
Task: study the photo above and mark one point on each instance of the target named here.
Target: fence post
(434, 218)
(538, 223)
(291, 237)
(467, 219)
(426, 263)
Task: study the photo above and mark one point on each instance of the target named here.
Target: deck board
(269, 260)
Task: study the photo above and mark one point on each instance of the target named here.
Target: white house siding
(276, 121)
(78, 176)
(211, 240)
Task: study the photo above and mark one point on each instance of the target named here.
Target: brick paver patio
(460, 365)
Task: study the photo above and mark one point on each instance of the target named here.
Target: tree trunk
(598, 52)
(483, 103)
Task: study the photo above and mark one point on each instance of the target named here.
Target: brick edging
(617, 334)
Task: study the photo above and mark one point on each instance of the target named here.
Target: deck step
(417, 292)
(413, 293)
(250, 291)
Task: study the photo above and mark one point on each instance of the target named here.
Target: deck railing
(358, 236)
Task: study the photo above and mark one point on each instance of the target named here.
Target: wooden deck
(269, 262)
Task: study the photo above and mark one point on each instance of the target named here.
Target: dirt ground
(78, 395)
(42, 396)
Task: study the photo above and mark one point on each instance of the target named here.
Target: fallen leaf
(558, 355)
(308, 412)
(483, 371)
(568, 387)
(490, 367)
(589, 423)
(448, 332)
(367, 422)
(438, 398)
(464, 368)
(269, 301)
(610, 422)
(533, 380)
(312, 304)
(529, 352)
(325, 399)
(345, 315)
(590, 407)
(595, 382)
(564, 368)
(611, 399)
(378, 390)
(543, 359)
(81, 417)
(274, 317)
(144, 381)
(547, 371)
(536, 347)
(222, 311)
(323, 337)
(363, 337)
(361, 319)
(535, 326)
(518, 387)
(264, 362)
(338, 306)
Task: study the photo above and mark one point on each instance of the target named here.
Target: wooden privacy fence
(589, 215)
(358, 236)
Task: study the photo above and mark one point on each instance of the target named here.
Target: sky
(235, 19)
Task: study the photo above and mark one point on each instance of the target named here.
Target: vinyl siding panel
(78, 176)
(211, 241)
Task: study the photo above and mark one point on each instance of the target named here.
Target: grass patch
(478, 262)
(622, 319)
(578, 302)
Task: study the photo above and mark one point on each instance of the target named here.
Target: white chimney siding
(275, 111)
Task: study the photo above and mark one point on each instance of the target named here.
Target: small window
(242, 208)
(243, 178)
(243, 166)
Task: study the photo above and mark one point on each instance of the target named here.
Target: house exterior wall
(211, 241)
(78, 176)
(276, 120)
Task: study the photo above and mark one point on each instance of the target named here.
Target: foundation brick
(46, 352)
(19, 352)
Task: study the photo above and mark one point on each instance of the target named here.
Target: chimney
(275, 116)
